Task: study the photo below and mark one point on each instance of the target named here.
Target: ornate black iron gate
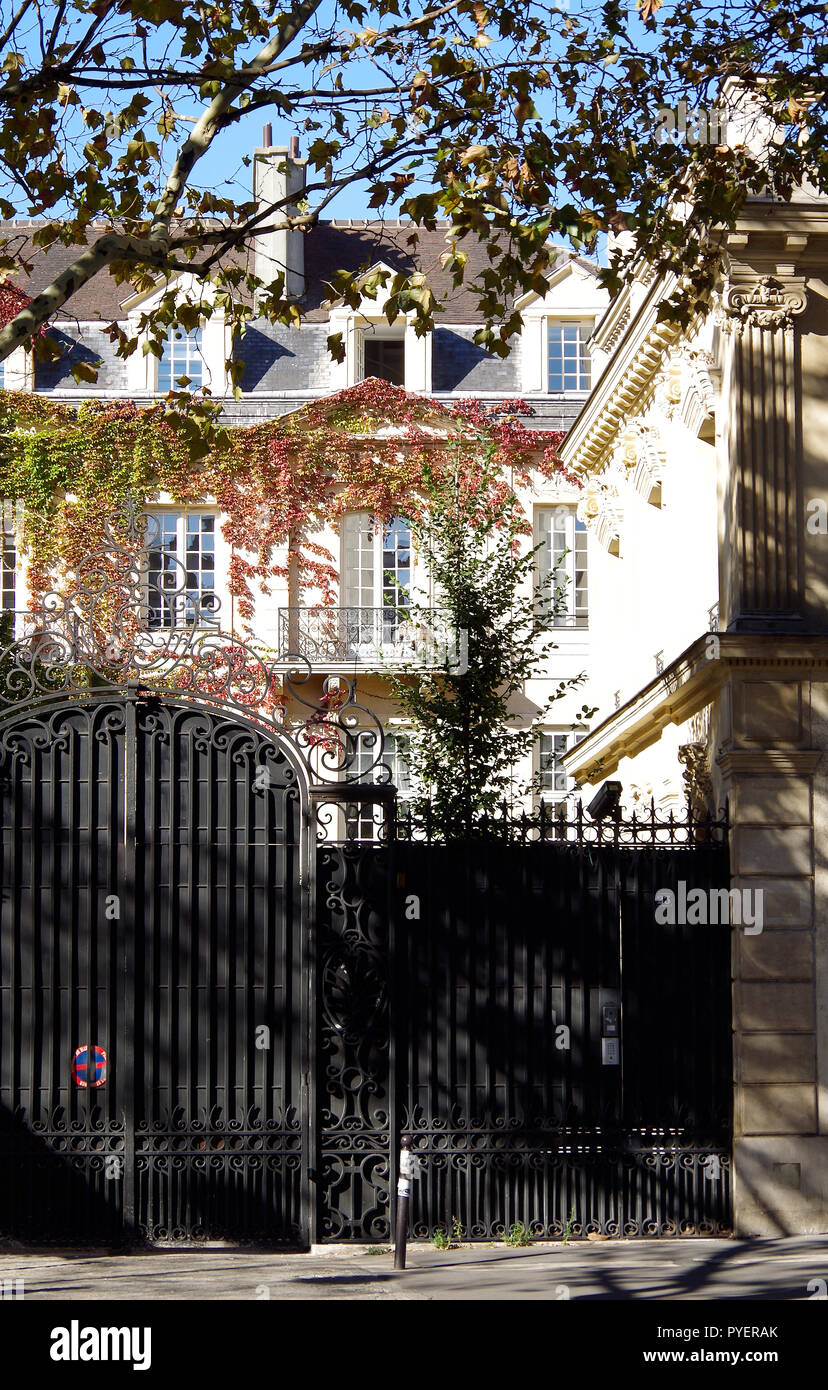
(186, 1053)
(557, 1047)
(153, 1030)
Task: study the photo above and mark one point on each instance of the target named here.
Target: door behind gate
(151, 1014)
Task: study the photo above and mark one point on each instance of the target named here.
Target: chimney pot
(293, 147)
(267, 136)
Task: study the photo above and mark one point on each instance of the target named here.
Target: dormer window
(181, 356)
(381, 353)
(567, 356)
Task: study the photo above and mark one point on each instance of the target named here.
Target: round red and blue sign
(81, 1067)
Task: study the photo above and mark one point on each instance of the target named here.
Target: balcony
(372, 638)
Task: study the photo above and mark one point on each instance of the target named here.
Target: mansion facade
(696, 554)
(550, 369)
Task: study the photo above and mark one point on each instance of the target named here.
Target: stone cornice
(770, 762)
(686, 686)
(773, 232)
(622, 383)
(607, 332)
(761, 220)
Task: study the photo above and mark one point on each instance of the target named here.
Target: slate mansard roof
(283, 368)
(329, 246)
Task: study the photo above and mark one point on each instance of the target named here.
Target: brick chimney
(278, 173)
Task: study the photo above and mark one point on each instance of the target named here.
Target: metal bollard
(403, 1193)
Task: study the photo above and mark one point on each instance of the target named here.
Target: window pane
(567, 357)
(551, 748)
(384, 358)
(180, 574)
(364, 820)
(563, 542)
(8, 560)
(181, 356)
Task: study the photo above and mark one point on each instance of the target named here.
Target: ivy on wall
(278, 483)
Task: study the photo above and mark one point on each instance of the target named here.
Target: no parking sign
(81, 1067)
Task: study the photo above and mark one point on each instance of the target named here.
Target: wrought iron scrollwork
(115, 622)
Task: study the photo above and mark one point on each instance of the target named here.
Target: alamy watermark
(701, 907)
(691, 125)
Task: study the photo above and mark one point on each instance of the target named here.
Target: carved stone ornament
(600, 511)
(696, 774)
(640, 460)
(764, 303)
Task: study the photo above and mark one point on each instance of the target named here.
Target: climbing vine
(278, 483)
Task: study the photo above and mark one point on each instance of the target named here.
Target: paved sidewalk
(641, 1270)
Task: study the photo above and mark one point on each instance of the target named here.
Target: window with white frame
(563, 548)
(380, 352)
(8, 561)
(376, 576)
(363, 820)
(181, 356)
(567, 356)
(181, 582)
(554, 784)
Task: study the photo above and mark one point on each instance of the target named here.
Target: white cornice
(623, 382)
(686, 686)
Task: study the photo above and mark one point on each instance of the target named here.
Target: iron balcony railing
(373, 637)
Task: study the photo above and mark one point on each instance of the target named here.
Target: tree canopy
(521, 123)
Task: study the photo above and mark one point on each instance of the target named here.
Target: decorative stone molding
(601, 512)
(640, 459)
(698, 393)
(698, 726)
(669, 386)
(698, 783)
(619, 328)
(624, 384)
(769, 302)
(770, 762)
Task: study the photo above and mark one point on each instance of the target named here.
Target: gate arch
(155, 905)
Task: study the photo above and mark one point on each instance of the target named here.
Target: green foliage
(450, 1237)
(522, 125)
(464, 742)
(569, 1227)
(518, 1234)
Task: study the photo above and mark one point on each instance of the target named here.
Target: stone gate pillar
(761, 568)
(768, 728)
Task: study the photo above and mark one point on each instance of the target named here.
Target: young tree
(463, 740)
(519, 122)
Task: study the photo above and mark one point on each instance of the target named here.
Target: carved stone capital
(768, 302)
